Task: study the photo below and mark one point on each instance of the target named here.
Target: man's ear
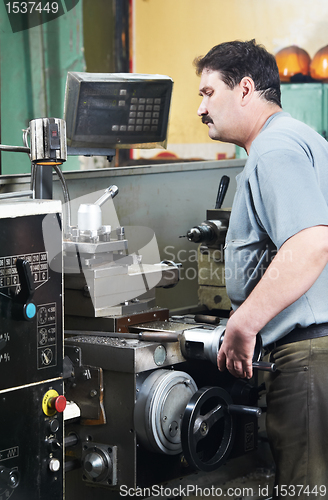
(247, 88)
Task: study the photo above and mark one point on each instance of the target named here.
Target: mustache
(206, 119)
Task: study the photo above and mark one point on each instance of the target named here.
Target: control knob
(54, 464)
(9, 477)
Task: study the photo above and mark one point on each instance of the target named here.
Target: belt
(298, 334)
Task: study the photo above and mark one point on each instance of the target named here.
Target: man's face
(219, 106)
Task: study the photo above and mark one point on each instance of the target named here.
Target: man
(276, 256)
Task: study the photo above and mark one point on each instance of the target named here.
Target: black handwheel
(207, 430)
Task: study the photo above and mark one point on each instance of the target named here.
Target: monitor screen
(116, 110)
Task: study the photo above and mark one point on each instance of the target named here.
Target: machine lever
(23, 307)
(110, 192)
(26, 281)
(264, 366)
(245, 410)
(71, 440)
(223, 188)
(206, 318)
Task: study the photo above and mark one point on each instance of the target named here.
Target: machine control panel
(31, 352)
(8, 269)
(117, 110)
(30, 302)
(31, 445)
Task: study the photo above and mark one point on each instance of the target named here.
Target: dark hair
(234, 60)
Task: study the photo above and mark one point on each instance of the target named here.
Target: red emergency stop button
(53, 403)
(57, 403)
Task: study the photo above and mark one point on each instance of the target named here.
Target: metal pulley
(159, 409)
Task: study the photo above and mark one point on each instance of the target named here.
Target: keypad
(143, 113)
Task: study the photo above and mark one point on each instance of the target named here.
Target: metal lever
(110, 192)
(264, 366)
(223, 188)
(245, 410)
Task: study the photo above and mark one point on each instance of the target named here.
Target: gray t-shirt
(282, 190)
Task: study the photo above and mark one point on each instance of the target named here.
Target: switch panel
(31, 445)
(31, 351)
(30, 301)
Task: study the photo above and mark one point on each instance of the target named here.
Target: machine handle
(264, 366)
(26, 281)
(110, 192)
(206, 318)
(204, 414)
(223, 188)
(245, 410)
(23, 307)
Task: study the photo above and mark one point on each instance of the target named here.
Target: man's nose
(202, 109)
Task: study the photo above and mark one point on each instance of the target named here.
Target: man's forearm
(295, 268)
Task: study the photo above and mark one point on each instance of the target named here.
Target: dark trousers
(297, 418)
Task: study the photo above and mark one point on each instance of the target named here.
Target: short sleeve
(286, 194)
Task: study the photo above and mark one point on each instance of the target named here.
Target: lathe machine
(152, 403)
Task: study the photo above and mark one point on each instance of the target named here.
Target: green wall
(34, 65)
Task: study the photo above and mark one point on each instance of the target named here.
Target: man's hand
(236, 352)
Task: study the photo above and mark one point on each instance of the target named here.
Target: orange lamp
(319, 65)
(292, 61)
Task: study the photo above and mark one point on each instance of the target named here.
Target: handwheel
(207, 430)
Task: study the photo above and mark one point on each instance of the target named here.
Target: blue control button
(30, 310)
